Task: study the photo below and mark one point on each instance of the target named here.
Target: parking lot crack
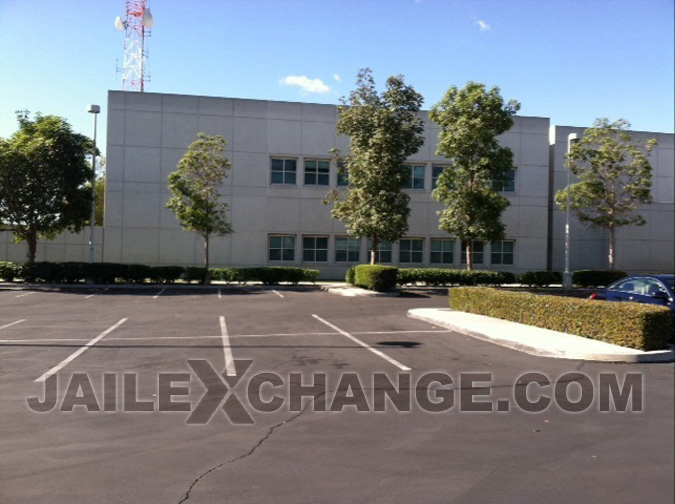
(260, 442)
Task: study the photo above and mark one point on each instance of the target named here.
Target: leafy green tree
(43, 180)
(195, 199)
(471, 119)
(384, 129)
(100, 200)
(614, 178)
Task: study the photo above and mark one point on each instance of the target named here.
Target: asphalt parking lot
(153, 402)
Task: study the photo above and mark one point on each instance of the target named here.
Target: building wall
(149, 133)
(639, 248)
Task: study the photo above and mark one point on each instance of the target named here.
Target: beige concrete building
(282, 170)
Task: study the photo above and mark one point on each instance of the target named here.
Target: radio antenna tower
(136, 25)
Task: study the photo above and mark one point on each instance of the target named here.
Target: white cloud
(337, 77)
(482, 25)
(306, 84)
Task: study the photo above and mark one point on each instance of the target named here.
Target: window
(317, 172)
(442, 251)
(411, 250)
(436, 171)
(415, 178)
(476, 252)
(283, 171)
(282, 248)
(347, 249)
(342, 177)
(383, 251)
(315, 248)
(506, 185)
(502, 252)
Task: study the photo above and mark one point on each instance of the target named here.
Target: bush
(8, 271)
(445, 277)
(596, 278)
(540, 278)
(165, 274)
(191, 274)
(376, 278)
(639, 326)
(349, 276)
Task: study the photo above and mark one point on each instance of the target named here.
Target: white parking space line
(227, 350)
(405, 332)
(24, 295)
(95, 294)
(158, 294)
(12, 323)
(396, 363)
(220, 294)
(278, 294)
(79, 352)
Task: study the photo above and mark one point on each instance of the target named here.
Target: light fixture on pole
(93, 109)
(567, 275)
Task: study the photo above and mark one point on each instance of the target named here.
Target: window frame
(501, 252)
(285, 173)
(315, 249)
(281, 248)
(348, 251)
(442, 252)
(316, 173)
(380, 251)
(409, 182)
(473, 252)
(404, 250)
(508, 185)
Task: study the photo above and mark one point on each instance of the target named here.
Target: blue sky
(571, 60)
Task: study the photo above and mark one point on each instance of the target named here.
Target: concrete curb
(536, 341)
(351, 291)
(147, 286)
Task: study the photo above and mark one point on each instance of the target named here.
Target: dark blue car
(649, 289)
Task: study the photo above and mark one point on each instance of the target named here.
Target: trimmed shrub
(445, 277)
(8, 271)
(633, 325)
(596, 278)
(165, 274)
(376, 278)
(192, 274)
(349, 276)
(105, 273)
(540, 278)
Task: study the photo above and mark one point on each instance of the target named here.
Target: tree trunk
(469, 255)
(207, 274)
(373, 252)
(612, 248)
(31, 240)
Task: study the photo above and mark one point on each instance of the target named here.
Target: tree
(43, 180)
(614, 178)
(100, 200)
(194, 187)
(471, 119)
(384, 130)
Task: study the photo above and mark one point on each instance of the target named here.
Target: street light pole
(567, 275)
(93, 109)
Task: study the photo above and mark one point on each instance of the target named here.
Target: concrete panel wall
(639, 248)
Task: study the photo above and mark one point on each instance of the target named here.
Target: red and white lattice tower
(136, 25)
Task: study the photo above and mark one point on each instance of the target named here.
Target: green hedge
(446, 277)
(349, 276)
(540, 278)
(375, 277)
(633, 325)
(596, 278)
(108, 273)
